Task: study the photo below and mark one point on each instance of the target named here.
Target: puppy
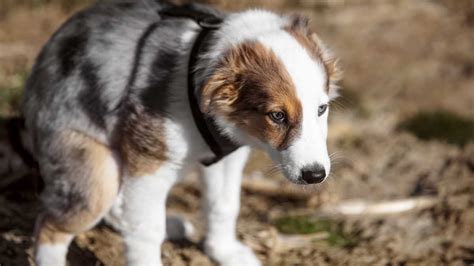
(127, 96)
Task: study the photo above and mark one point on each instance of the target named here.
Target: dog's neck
(220, 144)
(217, 34)
(211, 44)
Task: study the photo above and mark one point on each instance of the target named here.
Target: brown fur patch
(299, 29)
(143, 144)
(249, 83)
(95, 174)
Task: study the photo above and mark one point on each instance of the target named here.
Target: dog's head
(271, 87)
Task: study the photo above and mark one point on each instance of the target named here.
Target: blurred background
(402, 137)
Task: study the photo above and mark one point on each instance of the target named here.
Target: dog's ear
(222, 89)
(331, 64)
(219, 92)
(299, 22)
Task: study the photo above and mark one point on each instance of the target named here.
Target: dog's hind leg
(222, 183)
(82, 180)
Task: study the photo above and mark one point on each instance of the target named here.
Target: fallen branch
(361, 207)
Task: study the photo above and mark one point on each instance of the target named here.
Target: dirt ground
(393, 198)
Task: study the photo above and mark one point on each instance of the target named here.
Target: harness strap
(219, 144)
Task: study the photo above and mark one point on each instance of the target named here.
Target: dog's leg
(81, 183)
(222, 183)
(51, 242)
(144, 215)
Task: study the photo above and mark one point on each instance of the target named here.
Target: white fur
(52, 254)
(144, 229)
(245, 26)
(221, 208)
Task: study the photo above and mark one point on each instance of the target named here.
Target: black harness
(219, 144)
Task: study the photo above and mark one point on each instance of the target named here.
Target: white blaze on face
(309, 78)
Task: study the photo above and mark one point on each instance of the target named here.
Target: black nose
(313, 175)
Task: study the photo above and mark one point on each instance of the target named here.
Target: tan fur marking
(249, 83)
(143, 142)
(99, 175)
(48, 233)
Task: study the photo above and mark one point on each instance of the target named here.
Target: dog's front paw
(231, 253)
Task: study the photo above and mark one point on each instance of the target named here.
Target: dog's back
(97, 61)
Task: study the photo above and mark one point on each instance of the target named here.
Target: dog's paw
(231, 254)
(178, 228)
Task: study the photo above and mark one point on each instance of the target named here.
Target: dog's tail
(19, 141)
(16, 158)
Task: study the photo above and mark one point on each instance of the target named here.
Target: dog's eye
(277, 117)
(322, 109)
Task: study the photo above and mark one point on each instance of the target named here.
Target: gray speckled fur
(80, 80)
